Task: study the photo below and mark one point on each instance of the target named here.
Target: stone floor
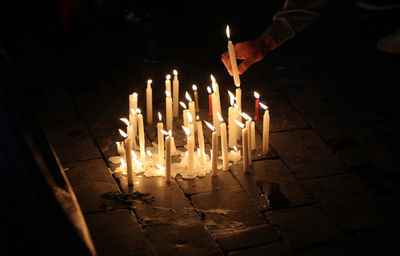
(329, 184)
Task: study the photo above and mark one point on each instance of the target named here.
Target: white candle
(190, 154)
(214, 146)
(168, 146)
(246, 166)
(141, 135)
(160, 136)
(133, 122)
(231, 121)
(149, 103)
(196, 98)
(224, 144)
(173, 147)
(266, 120)
(232, 56)
(248, 128)
(215, 109)
(168, 84)
(191, 124)
(253, 135)
(129, 161)
(184, 114)
(133, 101)
(200, 137)
(192, 107)
(215, 87)
(175, 85)
(168, 106)
(239, 96)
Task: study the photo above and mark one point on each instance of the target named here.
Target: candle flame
(134, 95)
(241, 125)
(210, 126)
(162, 168)
(159, 116)
(245, 116)
(237, 85)
(126, 121)
(231, 98)
(187, 131)
(148, 152)
(149, 81)
(235, 148)
(194, 87)
(168, 77)
(256, 95)
(164, 132)
(212, 78)
(133, 111)
(236, 106)
(187, 95)
(209, 89)
(118, 143)
(228, 34)
(220, 117)
(263, 106)
(167, 94)
(175, 72)
(138, 111)
(190, 118)
(198, 152)
(170, 133)
(214, 87)
(197, 117)
(182, 104)
(123, 134)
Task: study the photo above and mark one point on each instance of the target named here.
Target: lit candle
(133, 122)
(231, 121)
(224, 144)
(192, 108)
(160, 136)
(168, 149)
(232, 56)
(246, 166)
(129, 128)
(253, 135)
(239, 96)
(215, 87)
(239, 119)
(216, 122)
(184, 114)
(124, 135)
(209, 101)
(190, 150)
(248, 127)
(149, 103)
(168, 106)
(141, 134)
(200, 137)
(214, 146)
(266, 120)
(128, 153)
(196, 98)
(168, 84)
(191, 124)
(256, 115)
(133, 101)
(175, 95)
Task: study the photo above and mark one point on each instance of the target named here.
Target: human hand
(250, 52)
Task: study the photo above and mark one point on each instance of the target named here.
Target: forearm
(293, 18)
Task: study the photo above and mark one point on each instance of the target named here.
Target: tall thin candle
(224, 144)
(266, 120)
(141, 135)
(196, 98)
(160, 136)
(232, 56)
(175, 95)
(214, 146)
(168, 84)
(231, 121)
(209, 101)
(149, 103)
(256, 115)
(246, 166)
(168, 109)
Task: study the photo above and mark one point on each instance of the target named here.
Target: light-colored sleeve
(294, 17)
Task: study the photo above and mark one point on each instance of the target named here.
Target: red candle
(257, 96)
(209, 101)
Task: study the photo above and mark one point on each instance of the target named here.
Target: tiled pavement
(329, 185)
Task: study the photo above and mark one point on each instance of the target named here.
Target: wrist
(267, 42)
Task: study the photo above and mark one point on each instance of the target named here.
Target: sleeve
(294, 17)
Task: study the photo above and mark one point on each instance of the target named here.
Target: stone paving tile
(118, 233)
(305, 153)
(333, 249)
(271, 185)
(305, 226)
(227, 211)
(90, 180)
(390, 132)
(251, 237)
(176, 239)
(272, 249)
(349, 202)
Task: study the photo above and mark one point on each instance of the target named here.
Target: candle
(168, 84)
(175, 85)
(141, 134)
(231, 121)
(133, 122)
(200, 137)
(266, 120)
(246, 166)
(133, 101)
(234, 155)
(224, 144)
(253, 135)
(184, 114)
(196, 98)
(190, 152)
(248, 128)
(168, 106)
(215, 87)
(128, 146)
(209, 101)
(214, 146)
(149, 103)
(256, 115)
(232, 56)
(160, 136)
(239, 96)
(192, 108)
(168, 159)
(129, 128)
(191, 124)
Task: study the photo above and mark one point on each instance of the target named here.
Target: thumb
(244, 66)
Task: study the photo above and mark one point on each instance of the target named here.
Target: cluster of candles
(191, 165)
